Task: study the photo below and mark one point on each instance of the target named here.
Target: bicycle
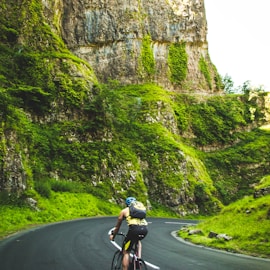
(135, 263)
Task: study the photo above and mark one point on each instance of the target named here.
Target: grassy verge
(246, 221)
(61, 206)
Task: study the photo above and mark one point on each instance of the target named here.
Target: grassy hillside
(246, 221)
(61, 131)
(61, 206)
(237, 168)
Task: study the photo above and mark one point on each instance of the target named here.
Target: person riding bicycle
(137, 231)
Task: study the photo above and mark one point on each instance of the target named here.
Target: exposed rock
(212, 234)
(219, 236)
(197, 231)
(224, 236)
(148, 205)
(261, 192)
(13, 176)
(109, 35)
(32, 203)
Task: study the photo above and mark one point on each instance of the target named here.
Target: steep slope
(245, 221)
(139, 41)
(59, 123)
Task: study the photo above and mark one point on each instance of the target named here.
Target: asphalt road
(84, 244)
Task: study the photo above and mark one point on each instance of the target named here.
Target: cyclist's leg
(125, 261)
(129, 242)
(138, 263)
(141, 232)
(139, 249)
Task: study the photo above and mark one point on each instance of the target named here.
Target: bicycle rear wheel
(137, 264)
(117, 260)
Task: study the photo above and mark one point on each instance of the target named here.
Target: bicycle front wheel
(117, 260)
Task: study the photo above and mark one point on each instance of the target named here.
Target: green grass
(246, 220)
(265, 182)
(62, 206)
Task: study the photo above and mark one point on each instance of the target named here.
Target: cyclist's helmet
(130, 200)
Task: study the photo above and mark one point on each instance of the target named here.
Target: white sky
(239, 39)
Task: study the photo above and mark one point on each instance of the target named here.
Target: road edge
(174, 234)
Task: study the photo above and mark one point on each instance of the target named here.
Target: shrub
(177, 61)
(66, 186)
(43, 188)
(205, 71)
(148, 60)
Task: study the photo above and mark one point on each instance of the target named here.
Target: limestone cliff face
(109, 34)
(115, 139)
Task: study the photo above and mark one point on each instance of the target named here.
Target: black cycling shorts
(135, 233)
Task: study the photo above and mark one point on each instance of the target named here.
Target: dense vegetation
(236, 169)
(177, 61)
(246, 221)
(66, 202)
(81, 147)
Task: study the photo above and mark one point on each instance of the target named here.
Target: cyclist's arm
(121, 216)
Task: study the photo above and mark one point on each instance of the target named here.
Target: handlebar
(119, 233)
(113, 242)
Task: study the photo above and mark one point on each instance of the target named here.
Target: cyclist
(137, 231)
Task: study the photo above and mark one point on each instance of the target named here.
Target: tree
(228, 84)
(245, 88)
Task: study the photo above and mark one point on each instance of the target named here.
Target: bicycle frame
(119, 250)
(134, 262)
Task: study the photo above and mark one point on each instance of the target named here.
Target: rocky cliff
(137, 134)
(133, 41)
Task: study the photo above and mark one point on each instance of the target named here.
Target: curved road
(84, 244)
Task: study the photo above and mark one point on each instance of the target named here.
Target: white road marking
(180, 223)
(119, 247)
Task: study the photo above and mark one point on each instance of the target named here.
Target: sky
(239, 40)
